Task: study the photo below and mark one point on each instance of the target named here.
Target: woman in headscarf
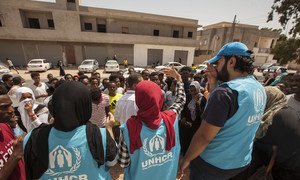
(277, 144)
(149, 143)
(32, 114)
(193, 116)
(71, 147)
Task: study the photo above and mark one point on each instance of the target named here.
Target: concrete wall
(51, 52)
(23, 51)
(12, 50)
(139, 23)
(141, 50)
(101, 51)
(41, 16)
(217, 37)
(265, 42)
(27, 43)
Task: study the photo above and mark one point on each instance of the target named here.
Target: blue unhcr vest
(70, 156)
(232, 146)
(152, 161)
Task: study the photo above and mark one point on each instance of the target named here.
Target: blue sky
(207, 12)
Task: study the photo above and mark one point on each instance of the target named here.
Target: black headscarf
(72, 107)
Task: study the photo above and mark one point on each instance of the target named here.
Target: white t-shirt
(126, 107)
(39, 90)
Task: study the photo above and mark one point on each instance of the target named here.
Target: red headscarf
(149, 100)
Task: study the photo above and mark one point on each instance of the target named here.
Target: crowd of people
(219, 124)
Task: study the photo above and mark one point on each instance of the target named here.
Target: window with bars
(101, 28)
(50, 23)
(155, 32)
(88, 26)
(34, 23)
(176, 34)
(125, 30)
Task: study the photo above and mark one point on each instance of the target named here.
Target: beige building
(214, 36)
(67, 31)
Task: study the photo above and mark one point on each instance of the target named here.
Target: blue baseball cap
(231, 49)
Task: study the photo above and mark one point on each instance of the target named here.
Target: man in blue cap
(222, 146)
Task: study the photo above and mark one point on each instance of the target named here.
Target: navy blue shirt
(221, 106)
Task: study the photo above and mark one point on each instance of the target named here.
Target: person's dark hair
(94, 73)
(80, 73)
(114, 76)
(94, 78)
(83, 77)
(58, 83)
(34, 74)
(95, 94)
(53, 79)
(169, 81)
(153, 74)
(133, 79)
(186, 68)
(121, 78)
(17, 80)
(243, 63)
(3, 90)
(105, 79)
(5, 77)
(143, 72)
(174, 81)
(68, 75)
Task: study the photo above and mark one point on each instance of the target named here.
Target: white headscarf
(192, 104)
(22, 90)
(24, 116)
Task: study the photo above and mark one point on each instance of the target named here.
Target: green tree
(288, 10)
(286, 50)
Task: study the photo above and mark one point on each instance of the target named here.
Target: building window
(71, 1)
(190, 34)
(101, 28)
(88, 26)
(50, 23)
(155, 32)
(34, 23)
(255, 44)
(175, 34)
(125, 30)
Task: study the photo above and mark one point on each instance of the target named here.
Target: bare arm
(13, 160)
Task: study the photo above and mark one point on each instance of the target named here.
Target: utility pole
(232, 29)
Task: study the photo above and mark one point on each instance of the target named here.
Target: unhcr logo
(155, 149)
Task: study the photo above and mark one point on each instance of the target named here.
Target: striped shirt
(98, 112)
